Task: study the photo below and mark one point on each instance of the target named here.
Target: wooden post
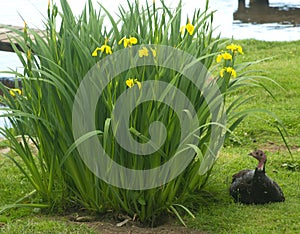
(259, 3)
(241, 5)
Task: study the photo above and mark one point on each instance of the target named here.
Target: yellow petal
(190, 28)
(230, 47)
(120, 42)
(153, 52)
(240, 50)
(14, 91)
(126, 42)
(102, 48)
(105, 48)
(108, 50)
(181, 30)
(234, 47)
(229, 70)
(219, 58)
(133, 40)
(222, 72)
(130, 83)
(95, 52)
(143, 52)
(227, 56)
(139, 84)
(233, 73)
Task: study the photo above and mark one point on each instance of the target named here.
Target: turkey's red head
(261, 157)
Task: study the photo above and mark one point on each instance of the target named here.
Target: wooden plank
(4, 30)
(6, 34)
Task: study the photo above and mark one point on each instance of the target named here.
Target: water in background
(14, 11)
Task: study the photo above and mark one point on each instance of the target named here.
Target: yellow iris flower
(189, 28)
(104, 48)
(131, 82)
(143, 52)
(229, 70)
(234, 48)
(128, 41)
(225, 56)
(13, 92)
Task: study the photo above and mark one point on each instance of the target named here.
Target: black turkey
(254, 186)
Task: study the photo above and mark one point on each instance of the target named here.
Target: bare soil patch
(273, 147)
(123, 224)
(109, 228)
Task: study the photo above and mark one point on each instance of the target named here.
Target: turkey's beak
(253, 155)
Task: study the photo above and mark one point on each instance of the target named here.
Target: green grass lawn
(217, 213)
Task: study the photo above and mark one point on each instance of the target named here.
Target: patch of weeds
(291, 165)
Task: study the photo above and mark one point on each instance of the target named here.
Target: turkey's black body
(255, 187)
(241, 186)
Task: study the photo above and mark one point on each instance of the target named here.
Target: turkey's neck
(261, 165)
